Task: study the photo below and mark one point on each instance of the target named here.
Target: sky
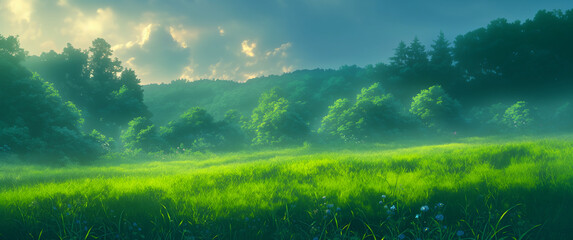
(164, 40)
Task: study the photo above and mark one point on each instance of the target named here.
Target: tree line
(78, 104)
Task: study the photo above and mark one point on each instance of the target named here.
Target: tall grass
(301, 193)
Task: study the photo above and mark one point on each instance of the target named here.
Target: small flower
(440, 217)
(383, 196)
(417, 215)
(424, 208)
(380, 202)
(459, 233)
(323, 197)
(330, 205)
(401, 236)
(426, 229)
(327, 211)
(338, 209)
(440, 205)
(393, 208)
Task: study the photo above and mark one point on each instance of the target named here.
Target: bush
(519, 116)
(436, 109)
(372, 116)
(275, 122)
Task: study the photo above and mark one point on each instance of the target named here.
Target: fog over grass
(465, 137)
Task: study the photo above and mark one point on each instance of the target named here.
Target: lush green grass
(301, 193)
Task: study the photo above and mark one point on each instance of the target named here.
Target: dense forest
(77, 104)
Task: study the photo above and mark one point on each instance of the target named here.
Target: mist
(449, 138)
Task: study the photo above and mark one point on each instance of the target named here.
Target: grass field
(472, 188)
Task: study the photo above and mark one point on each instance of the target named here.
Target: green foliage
(373, 114)
(194, 129)
(108, 96)
(436, 109)
(309, 93)
(528, 60)
(489, 119)
(141, 134)
(35, 119)
(518, 116)
(106, 143)
(274, 122)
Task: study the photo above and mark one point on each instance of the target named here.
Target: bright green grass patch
(279, 193)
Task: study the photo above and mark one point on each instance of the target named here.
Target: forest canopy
(502, 78)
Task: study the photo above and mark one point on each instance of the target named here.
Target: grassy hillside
(376, 191)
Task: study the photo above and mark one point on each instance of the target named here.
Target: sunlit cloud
(63, 3)
(248, 48)
(144, 31)
(281, 51)
(187, 73)
(182, 35)
(250, 75)
(288, 69)
(83, 28)
(21, 10)
(221, 31)
(129, 63)
(155, 56)
(145, 34)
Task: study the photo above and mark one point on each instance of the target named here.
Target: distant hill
(312, 91)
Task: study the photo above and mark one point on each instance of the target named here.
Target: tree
(336, 123)
(274, 122)
(103, 70)
(441, 53)
(35, 119)
(436, 109)
(141, 134)
(518, 116)
(400, 55)
(416, 56)
(408, 71)
(194, 129)
(372, 115)
(108, 97)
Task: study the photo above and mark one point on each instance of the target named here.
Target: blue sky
(163, 40)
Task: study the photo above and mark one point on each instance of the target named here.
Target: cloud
(156, 56)
(85, 27)
(183, 35)
(286, 69)
(248, 48)
(21, 10)
(143, 31)
(221, 31)
(281, 51)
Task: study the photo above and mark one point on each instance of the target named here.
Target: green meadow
(466, 188)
